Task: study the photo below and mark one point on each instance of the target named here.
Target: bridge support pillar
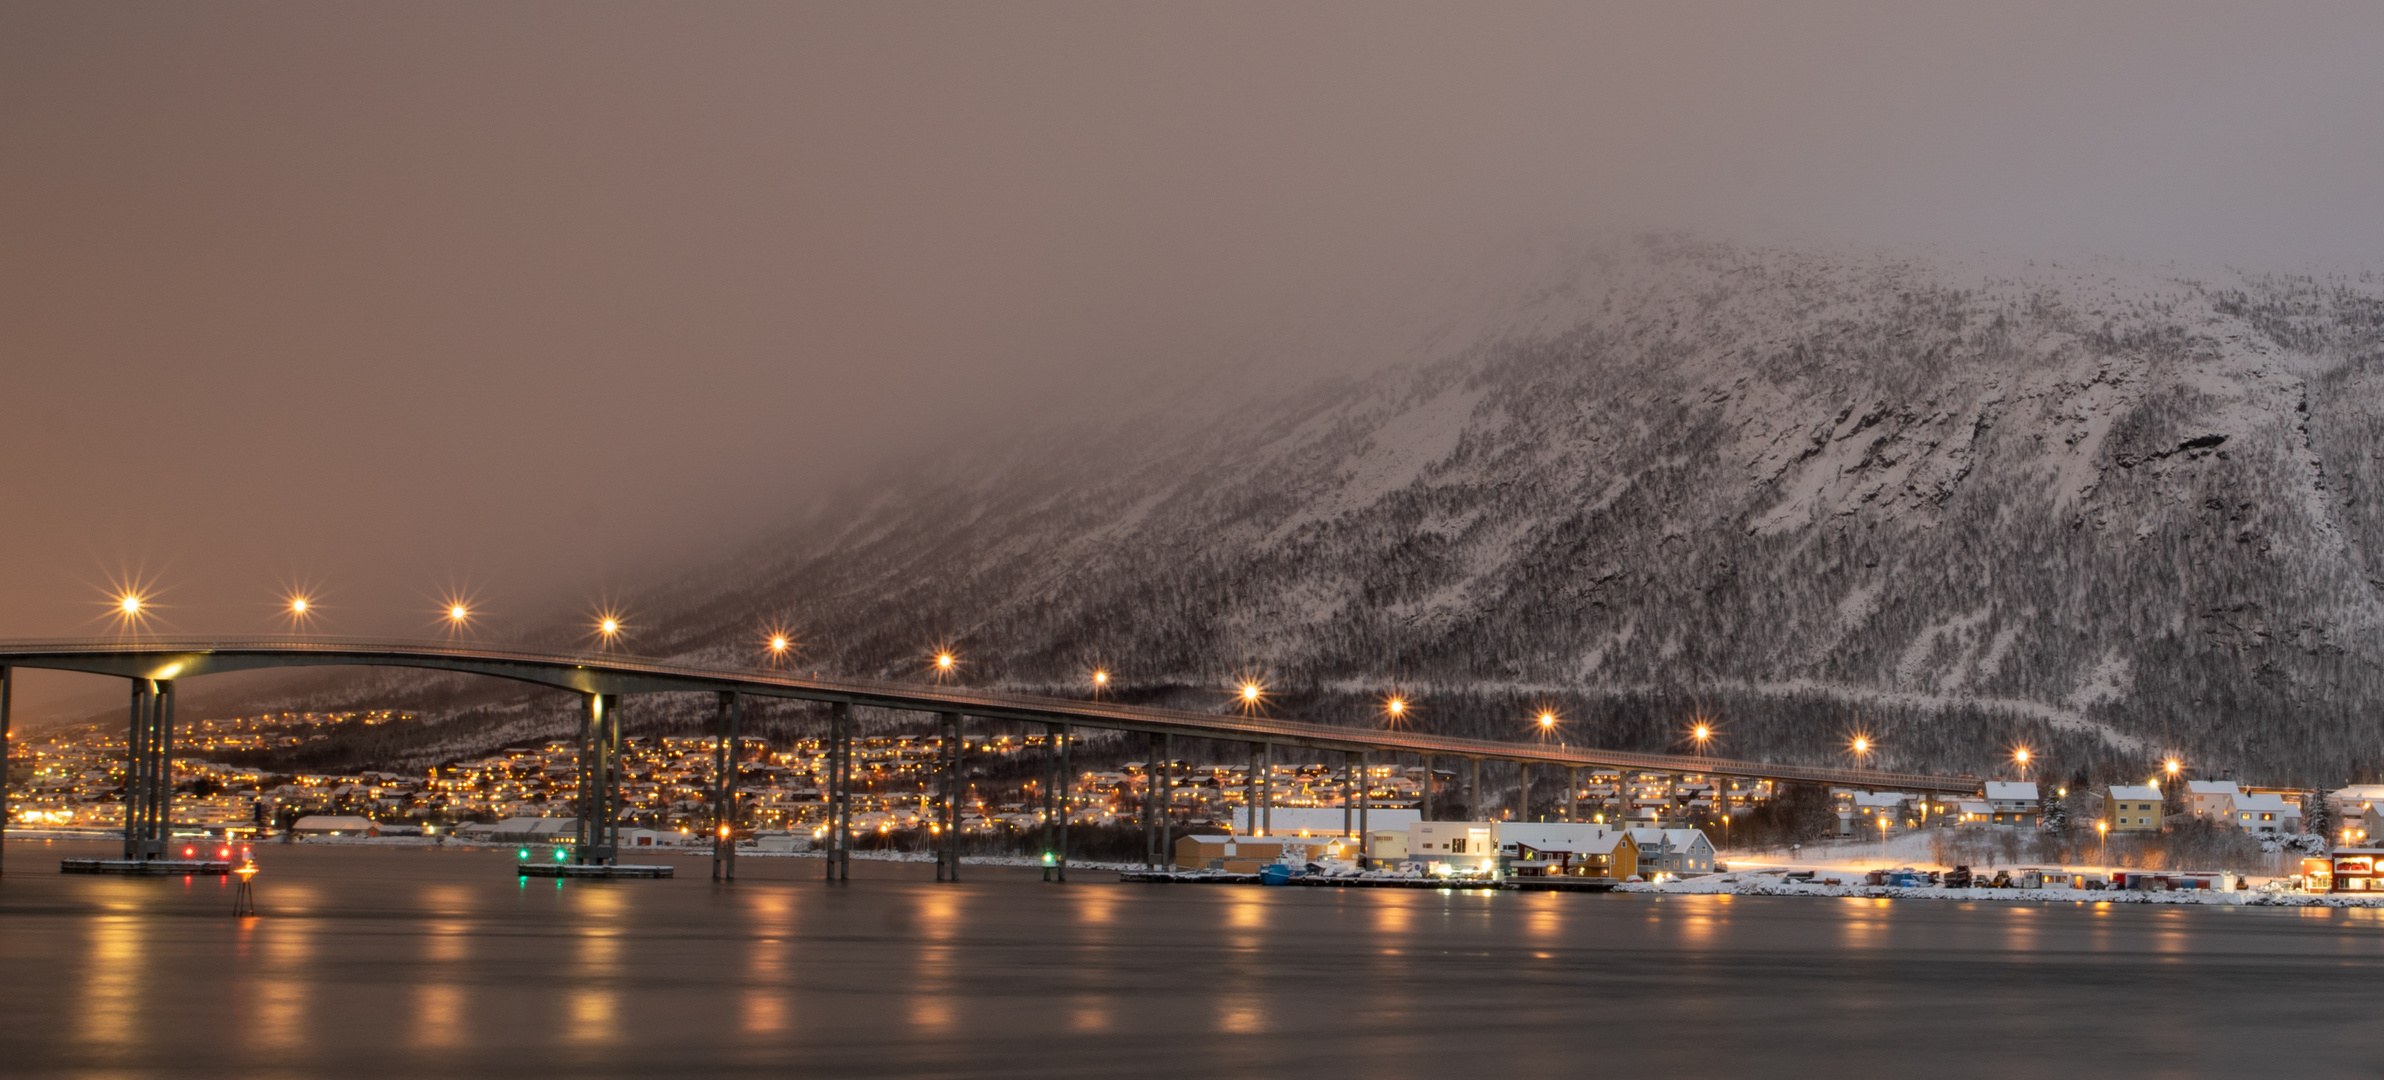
(1250, 794)
(1572, 794)
(947, 852)
(840, 791)
(724, 789)
(1348, 809)
(1473, 794)
(1428, 789)
(1167, 801)
(1150, 801)
(1523, 791)
(1055, 803)
(149, 770)
(1067, 793)
(1365, 801)
(599, 833)
(1266, 789)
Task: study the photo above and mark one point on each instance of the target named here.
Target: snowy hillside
(2099, 508)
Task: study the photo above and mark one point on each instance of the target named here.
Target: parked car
(1958, 878)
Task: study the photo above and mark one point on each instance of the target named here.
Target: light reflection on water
(451, 968)
(284, 948)
(592, 1012)
(764, 1010)
(113, 981)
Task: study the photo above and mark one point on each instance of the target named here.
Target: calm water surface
(389, 962)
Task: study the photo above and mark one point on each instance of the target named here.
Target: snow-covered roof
(2136, 792)
(1881, 798)
(1602, 843)
(2266, 804)
(342, 822)
(2011, 790)
(2213, 787)
(1681, 839)
(536, 825)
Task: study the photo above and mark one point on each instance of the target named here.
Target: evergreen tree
(2052, 814)
(2317, 818)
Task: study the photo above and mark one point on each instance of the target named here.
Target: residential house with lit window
(1674, 851)
(2265, 813)
(2132, 808)
(1580, 852)
(2011, 803)
(2212, 799)
(1576, 848)
(1463, 847)
(1860, 812)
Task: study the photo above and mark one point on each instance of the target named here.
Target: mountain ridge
(2105, 510)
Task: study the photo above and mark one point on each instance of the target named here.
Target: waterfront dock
(1366, 881)
(146, 867)
(568, 870)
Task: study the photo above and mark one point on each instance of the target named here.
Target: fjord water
(419, 962)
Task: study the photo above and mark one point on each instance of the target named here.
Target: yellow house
(2132, 808)
(1612, 855)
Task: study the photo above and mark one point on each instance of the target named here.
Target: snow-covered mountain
(2108, 510)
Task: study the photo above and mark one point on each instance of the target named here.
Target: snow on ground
(1750, 883)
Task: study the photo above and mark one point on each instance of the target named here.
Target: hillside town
(1623, 825)
(76, 779)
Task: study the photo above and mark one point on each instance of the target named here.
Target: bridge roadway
(614, 674)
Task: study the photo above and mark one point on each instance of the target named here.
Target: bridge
(154, 665)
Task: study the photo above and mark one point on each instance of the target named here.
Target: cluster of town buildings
(527, 794)
(1493, 848)
(2116, 808)
(76, 778)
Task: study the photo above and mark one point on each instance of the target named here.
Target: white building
(1860, 812)
(2264, 814)
(2212, 799)
(1459, 846)
(1673, 851)
(523, 830)
(334, 825)
(2011, 803)
(2353, 802)
(1471, 847)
